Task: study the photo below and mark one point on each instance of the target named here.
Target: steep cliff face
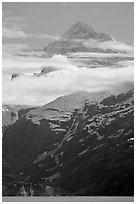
(81, 145)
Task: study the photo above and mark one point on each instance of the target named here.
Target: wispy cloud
(111, 45)
(12, 23)
(11, 33)
(12, 62)
(15, 34)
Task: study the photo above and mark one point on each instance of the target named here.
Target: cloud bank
(67, 79)
(111, 45)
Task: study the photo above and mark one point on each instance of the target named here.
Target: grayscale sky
(25, 22)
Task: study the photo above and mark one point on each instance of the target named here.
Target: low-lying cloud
(111, 45)
(38, 91)
(68, 78)
(13, 63)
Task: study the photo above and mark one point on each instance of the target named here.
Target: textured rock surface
(89, 153)
(83, 31)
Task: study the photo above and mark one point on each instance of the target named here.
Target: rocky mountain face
(80, 144)
(73, 40)
(76, 40)
(66, 46)
(83, 31)
(83, 46)
(14, 76)
(45, 70)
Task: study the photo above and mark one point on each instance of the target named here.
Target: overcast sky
(49, 20)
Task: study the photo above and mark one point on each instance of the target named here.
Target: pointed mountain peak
(83, 26)
(81, 30)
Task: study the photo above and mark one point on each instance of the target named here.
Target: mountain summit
(74, 40)
(81, 30)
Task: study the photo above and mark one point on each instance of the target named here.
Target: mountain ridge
(95, 142)
(72, 40)
(80, 30)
